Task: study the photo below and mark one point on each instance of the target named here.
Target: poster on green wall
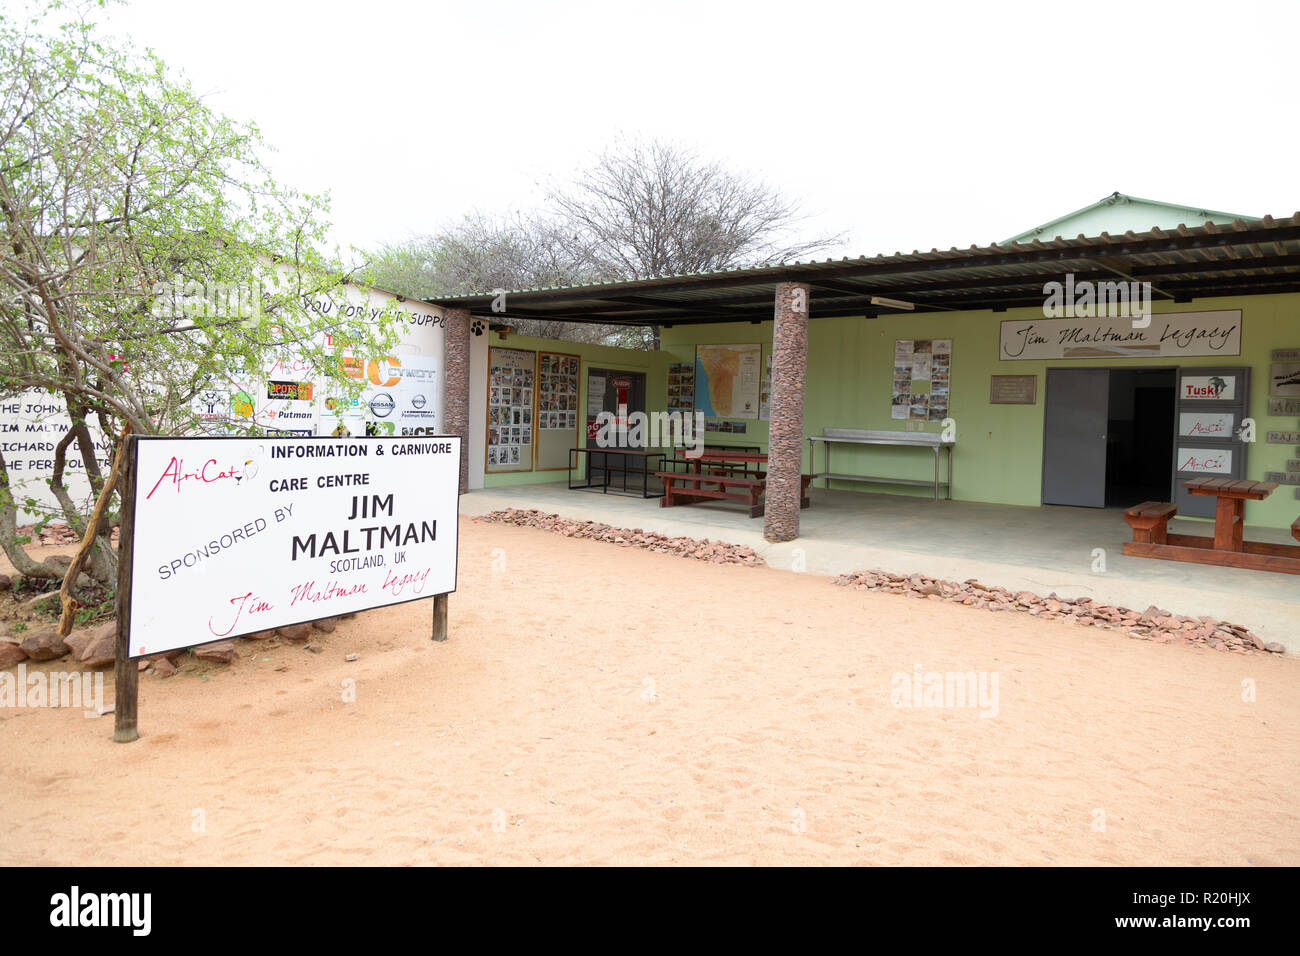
(727, 380)
(921, 379)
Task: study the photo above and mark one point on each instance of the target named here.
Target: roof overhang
(1245, 258)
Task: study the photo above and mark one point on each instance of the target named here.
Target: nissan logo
(417, 401)
(382, 405)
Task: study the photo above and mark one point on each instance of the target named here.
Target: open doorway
(1108, 437)
(1139, 435)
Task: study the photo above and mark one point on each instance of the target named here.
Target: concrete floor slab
(1072, 551)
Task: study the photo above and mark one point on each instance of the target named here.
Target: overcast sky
(902, 125)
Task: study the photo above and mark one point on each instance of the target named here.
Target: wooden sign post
(126, 672)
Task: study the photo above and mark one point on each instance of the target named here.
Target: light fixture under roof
(892, 303)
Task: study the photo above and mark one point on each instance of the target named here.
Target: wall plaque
(1284, 406)
(1013, 389)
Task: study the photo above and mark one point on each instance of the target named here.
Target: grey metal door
(1212, 402)
(1074, 436)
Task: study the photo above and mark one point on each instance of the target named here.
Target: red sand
(607, 705)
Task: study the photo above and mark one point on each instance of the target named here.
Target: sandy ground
(610, 706)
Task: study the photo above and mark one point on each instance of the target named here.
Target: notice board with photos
(557, 409)
(511, 375)
(681, 386)
(922, 377)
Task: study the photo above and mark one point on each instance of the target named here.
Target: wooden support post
(440, 617)
(126, 672)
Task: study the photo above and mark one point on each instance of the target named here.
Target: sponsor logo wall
(403, 396)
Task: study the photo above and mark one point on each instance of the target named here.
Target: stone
(78, 640)
(164, 668)
(703, 550)
(102, 646)
(44, 645)
(325, 624)
(222, 651)
(10, 655)
(1273, 647)
(260, 635)
(298, 633)
(6, 582)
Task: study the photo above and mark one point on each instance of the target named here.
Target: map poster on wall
(681, 386)
(727, 379)
(510, 410)
(921, 379)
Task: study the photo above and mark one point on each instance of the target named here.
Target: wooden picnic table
(1227, 547)
(1230, 509)
(714, 475)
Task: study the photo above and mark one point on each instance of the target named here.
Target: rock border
(1154, 624)
(715, 552)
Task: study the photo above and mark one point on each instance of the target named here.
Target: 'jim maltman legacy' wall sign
(1170, 335)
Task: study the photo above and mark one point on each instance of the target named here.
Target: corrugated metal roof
(1066, 223)
(1188, 262)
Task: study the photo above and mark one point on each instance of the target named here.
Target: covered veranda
(1043, 548)
(1182, 265)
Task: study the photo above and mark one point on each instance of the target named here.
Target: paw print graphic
(478, 327)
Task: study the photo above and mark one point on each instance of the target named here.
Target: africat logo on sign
(176, 475)
(1212, 387)
(1213, 461)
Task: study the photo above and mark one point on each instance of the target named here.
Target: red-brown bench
(1295, 529)
(684, 487)
(1150, 521)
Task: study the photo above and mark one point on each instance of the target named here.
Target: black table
(625, 461)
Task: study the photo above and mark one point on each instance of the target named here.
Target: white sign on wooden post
(238, 535)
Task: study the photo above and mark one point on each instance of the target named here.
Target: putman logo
(293, 391)
(382, 405)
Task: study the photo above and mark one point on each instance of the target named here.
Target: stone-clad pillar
(455, 385)
(785, 427)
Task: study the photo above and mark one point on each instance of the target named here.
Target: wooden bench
(1150, 521)
(1295, 529)
(682, 488)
